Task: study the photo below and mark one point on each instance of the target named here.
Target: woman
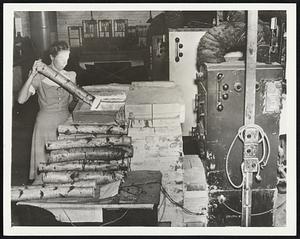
(53, 102)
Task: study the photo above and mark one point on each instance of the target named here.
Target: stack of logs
(83, 158)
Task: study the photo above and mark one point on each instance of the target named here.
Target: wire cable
(68, 218)
(185, 210)
(164, 204)
(261, 163)
(255, 214)
(115, 220)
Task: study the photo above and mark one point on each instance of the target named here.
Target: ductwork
(43, 28)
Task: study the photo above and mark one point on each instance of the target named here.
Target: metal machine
(183, 44)
(220, 114)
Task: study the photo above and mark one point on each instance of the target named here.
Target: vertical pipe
(251, 67)
(43, 27)
(249, 116)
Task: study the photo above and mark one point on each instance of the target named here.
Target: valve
(238, 87)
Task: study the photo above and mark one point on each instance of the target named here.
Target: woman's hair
(57, 47)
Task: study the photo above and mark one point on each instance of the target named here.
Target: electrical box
(220, 114)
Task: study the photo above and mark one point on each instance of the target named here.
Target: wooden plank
(161, 99)
(196, 201)
(194, 173)
(114, 87)
(156, 123)
(153, 84)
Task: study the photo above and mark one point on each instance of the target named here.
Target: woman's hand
(34, 70)
(25, 92)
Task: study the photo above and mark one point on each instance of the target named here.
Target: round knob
(176, 58)
(177, 39)
(238, 86)
(220, 76)
(225, 87)
(180, 54)
(225, 96)
(180, 45)
(220, 107)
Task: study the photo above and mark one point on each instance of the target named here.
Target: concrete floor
(22, 127)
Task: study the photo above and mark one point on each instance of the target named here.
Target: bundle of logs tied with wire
(82, 159)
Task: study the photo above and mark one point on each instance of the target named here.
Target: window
(75, 36)
(89, 28)
(105, 28)
(120, 27)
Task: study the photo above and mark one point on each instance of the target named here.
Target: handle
(178, 54)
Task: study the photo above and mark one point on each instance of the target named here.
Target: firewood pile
(84, 158)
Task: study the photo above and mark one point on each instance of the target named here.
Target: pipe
(43, 28)
(249, 116)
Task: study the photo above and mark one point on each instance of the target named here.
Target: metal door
(183, 45)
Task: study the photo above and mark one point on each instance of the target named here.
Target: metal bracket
(250, 150)
(250, 165)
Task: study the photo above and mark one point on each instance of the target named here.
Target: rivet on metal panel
(237, 87)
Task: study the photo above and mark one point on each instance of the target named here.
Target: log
(46, 192)
(105, 153)
(65, 83)
(80, 136)
(92, 129)
(67, 166)
(88, 142)
(70, 177)
(79, 184)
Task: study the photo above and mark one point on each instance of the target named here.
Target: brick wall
(74, 18)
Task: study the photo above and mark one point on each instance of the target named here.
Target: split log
(80, 136)
(67, 166)
(79, 184)
(70, 177)
(88, 142)
(65, 83)
(105, 153)
(39, 192)
(92, 129)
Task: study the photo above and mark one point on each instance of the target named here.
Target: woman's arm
(25, 93)
(73, 99)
